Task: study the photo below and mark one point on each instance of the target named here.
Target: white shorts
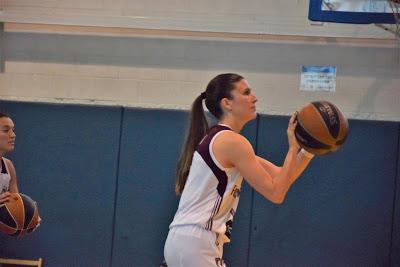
(191, 245)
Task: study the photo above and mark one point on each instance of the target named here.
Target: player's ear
(226, 104)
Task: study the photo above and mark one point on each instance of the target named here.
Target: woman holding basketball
(8, 177)
(211, 168)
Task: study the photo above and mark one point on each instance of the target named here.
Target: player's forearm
(303, 158)
(284, 179)
(13, 189)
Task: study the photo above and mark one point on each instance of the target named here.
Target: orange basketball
(19, 215)
(321, 128)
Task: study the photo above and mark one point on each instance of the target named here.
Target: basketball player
(210, 172)
(8, 177)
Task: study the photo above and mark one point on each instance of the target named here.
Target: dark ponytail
(197, 130)
(218, 88)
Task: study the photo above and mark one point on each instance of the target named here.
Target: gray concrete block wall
(253, 16)
(171, 72)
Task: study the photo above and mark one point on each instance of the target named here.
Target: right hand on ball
(293, 144)
(4, 197)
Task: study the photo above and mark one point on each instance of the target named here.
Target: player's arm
(268, 166)
(303, 158)
(13, 188)
(272, 186)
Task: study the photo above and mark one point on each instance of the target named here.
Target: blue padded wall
(395, 249)
(149, 189)
(146, 203)
(339, 212)
(66, 160)
(104, 181)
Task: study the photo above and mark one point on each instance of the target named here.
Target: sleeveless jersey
(211, 193)
(4, 177)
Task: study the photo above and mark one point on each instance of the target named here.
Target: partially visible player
(8, 176)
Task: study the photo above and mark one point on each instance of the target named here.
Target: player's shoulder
(233, 139)
(231, 135)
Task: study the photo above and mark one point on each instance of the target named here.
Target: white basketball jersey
(211, 192)
(4, 177)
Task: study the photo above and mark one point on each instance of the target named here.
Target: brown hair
(218, 88)
(4, 115)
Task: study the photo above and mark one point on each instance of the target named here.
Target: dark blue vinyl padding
(339, 212)
(104, 181)
(146, 203)
(66, 160)
(395, 248)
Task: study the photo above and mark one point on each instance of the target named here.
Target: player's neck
(233, 124)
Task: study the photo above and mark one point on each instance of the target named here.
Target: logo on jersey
(235, 191)
(228, 230)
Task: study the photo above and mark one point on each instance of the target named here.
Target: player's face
(244, 101)
(7, 135)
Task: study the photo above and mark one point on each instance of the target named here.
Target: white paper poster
(318, 78)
